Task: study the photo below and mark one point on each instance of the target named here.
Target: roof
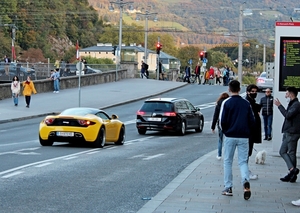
(164, 99)
(104, 48)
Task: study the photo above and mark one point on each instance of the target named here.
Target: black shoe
(27, 106)
(286, 178)
(247, 191)
(269, 138)
(265, 138)
(294, 174)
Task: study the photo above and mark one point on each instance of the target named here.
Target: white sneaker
(296, 203)
(219, 157)
(57, 91)
(252, 176)
(54, 91)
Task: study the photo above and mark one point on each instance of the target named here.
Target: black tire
(142, 131)
(100, 140)
(45, 142)
(121, 138)
(182, 129)
(201, 124)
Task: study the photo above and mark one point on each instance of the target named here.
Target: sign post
(79, 67)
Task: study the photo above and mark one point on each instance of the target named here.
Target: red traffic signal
(158, 47)
(201, 54)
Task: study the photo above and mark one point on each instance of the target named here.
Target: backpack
(146, 66)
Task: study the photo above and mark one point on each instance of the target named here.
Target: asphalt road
(115, 179)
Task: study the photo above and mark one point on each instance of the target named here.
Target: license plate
(65, 134)
(154, 119)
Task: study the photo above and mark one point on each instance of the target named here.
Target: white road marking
(43, 164)
(70, 158)
(137, 156)
(91, 153)
(22, 152)
(12, 174)
(153, 156)
(130, 122)
(9, 144)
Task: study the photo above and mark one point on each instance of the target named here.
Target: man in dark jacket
(266, 104)
(236, 120)
(291, 133)
(255, 136)
(187, 74)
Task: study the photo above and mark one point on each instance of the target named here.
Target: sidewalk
(98, 96)
(197, 189)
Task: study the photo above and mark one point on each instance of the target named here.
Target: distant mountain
(208, 21)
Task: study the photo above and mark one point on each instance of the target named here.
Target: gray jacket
(291, 122)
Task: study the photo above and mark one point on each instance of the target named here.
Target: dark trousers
(268, 125)
(218, 80)
(288, 149)
(198, 77)
(27, 100)
(186, 78)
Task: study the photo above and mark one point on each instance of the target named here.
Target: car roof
(81, 111)
(165, 99)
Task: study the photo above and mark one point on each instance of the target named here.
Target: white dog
(261, 157)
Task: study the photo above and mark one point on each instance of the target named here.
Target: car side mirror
(197, 108)
(113, 116)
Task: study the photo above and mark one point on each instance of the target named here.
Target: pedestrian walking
(197, 73)
(266, 103)
(7, 63)
(211, 75)
(236, 119)
(255, 132)
(206, 77)
(187, 74)
(15, 89)
(28, 89)
(218, 76)
(215, 122)
(291, 133)
(143, 69)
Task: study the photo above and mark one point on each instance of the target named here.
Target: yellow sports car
(81, 124)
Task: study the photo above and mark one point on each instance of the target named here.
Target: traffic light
(201, 55)
(205, 54)
(114, 50)
(158, 47)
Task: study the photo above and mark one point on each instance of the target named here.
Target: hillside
(208, 21)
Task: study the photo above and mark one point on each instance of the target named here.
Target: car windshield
(157, 106)
(263, 75)
(78, 111)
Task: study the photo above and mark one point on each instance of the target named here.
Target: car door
(194, 115)
(185, 112)
(110, 125)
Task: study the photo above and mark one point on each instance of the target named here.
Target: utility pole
(13, 38)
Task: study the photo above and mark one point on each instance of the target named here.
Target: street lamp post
(121, 5)
(147, 14)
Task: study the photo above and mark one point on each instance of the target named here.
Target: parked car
(72, 70)
(262, 82)
(82, 124)
(169, 114)
(24, 71)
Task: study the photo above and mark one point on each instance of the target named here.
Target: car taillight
(259, 80)
(140, 113)
(85, 122)
(169, 113)
(49, 121)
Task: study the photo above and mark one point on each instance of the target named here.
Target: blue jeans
(268, 119)
(16, 99)
(56, 85)
(230, 145)
(220, 142)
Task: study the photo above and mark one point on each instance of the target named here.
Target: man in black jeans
(291, 133)
(266, 103)
(187, 74)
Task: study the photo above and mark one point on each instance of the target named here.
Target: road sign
(80, 66)
(205, 60)
(190, 61)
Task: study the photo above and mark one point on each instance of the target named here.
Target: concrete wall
(46, 85)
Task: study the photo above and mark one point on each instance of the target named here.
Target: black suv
(169, 114)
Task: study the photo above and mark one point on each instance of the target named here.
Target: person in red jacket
(211, 75)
